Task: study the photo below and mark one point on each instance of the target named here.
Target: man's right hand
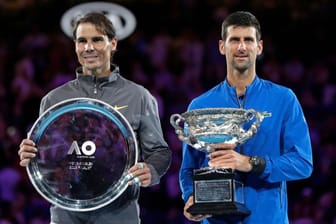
(27, 151)
(189, 216)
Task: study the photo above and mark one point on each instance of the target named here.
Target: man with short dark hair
(98, 78)
(281, 149)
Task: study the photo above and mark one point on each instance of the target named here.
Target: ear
(221, 47)
(260, 47)
(114, 43)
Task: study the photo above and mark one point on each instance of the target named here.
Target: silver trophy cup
(217, 191)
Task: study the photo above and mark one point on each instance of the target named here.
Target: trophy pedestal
(219, 209)
(217, 193)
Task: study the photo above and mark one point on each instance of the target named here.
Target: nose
(241, 45)
(88, 46)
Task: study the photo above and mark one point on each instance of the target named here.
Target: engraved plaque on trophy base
(217, 193)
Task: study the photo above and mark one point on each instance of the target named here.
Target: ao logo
(123, 20)
(88, 148)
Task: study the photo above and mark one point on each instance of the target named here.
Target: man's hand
(226, 157)
(189, 216)
(141, 173)
(27, 151)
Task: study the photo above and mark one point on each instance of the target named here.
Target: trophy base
(216, 192)
(219, 209)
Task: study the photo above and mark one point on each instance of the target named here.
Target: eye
(249, 40)
(97, 39)
(81, 40)
(234, 40)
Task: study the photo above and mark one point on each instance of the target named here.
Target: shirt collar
(112, 77)
(254, 85)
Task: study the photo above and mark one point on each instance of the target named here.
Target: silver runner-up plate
(85, 148)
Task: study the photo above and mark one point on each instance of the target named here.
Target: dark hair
(101, 22)
(241, 18)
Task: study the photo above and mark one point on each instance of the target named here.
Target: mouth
(241, 57)
(90, 58)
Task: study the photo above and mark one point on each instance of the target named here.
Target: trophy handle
(250, 114)
(176, 120)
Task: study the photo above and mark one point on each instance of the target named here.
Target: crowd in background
(174, 53)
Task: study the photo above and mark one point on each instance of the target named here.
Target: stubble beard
(241, 67)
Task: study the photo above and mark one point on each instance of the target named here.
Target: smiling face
(93, 50)
(241, 49)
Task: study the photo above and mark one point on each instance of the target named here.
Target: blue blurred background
(174, 53)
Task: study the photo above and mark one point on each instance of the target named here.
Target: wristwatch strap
(258, 164)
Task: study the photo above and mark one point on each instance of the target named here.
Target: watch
(258, 164)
